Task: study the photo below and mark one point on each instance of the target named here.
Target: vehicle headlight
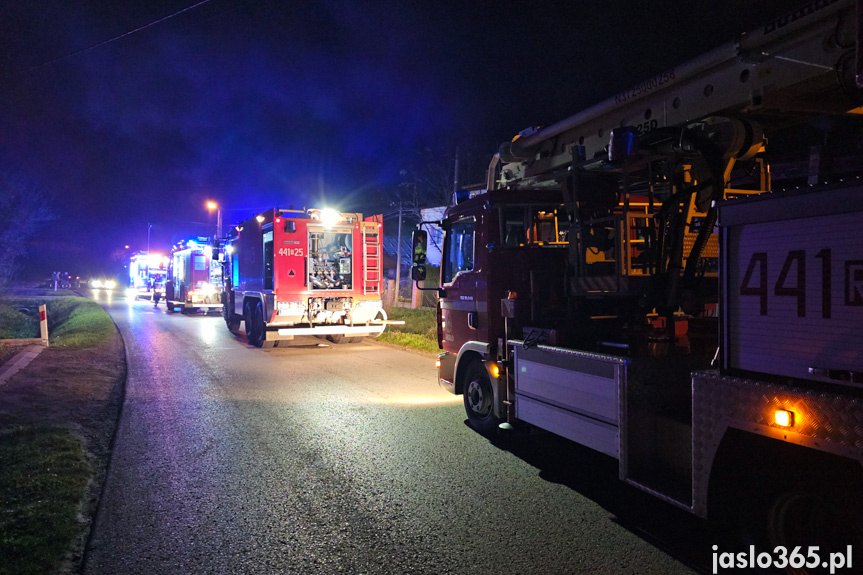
(110, 284)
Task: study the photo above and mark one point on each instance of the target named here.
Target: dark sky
(257, 104)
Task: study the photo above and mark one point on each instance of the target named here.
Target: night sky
(257, 104)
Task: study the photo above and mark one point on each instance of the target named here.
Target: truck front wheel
(479, 400)
(231, 319)
(258, 328)
(253, 327)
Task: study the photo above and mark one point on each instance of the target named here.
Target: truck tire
(260, 330)
(479, 400)
(249, 320)
(826, 516)
(256, 331)
(232, 320)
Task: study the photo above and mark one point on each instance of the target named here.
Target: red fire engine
(315, 272)
(623, 282)
(194, 280)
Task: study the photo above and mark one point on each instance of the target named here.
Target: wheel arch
(754, 467)
(469, 352)
(482, 353)
(255, 297)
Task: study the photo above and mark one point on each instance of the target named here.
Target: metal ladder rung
(371, 259)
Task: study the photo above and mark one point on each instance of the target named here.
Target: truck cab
(495, 247)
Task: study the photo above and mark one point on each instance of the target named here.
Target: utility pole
(398, 258)
(211, 205)
(148, 241)
(455, 178)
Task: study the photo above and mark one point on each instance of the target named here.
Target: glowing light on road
(209, 329)
(102, 295)
(441, 399)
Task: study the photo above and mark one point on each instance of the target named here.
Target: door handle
(471, 319)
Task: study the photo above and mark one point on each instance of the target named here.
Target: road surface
(346, 458)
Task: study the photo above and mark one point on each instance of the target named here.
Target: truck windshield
(458, 247)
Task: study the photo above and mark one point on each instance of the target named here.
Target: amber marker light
(437, 363)
(783, 418)
(494, 370)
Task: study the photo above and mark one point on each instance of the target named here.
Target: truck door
(459, 278)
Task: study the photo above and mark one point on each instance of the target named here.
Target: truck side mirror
(418, 273)
(419, 241)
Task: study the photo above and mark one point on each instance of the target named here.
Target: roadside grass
(43, 479)
(47, 473)
(72, 321)
(19, 319)
(418, 332)
(78, 322)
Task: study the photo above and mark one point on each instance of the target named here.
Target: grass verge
(418, 332)
(57, 417)
(18, 319)
(72, 321)
(78, 322)
(42, 482)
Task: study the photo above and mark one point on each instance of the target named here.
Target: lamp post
(214, 206)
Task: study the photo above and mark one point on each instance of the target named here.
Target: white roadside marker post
(43, 324)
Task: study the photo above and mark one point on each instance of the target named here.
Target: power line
(108, 41)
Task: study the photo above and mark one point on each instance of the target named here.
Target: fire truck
(313, 272)
(630, 280)
(194, 282)
(147, 272)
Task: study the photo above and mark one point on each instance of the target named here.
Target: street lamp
(214, 206)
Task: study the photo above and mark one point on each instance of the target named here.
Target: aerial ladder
(710, 340)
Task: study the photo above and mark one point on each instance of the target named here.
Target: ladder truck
(312, 272)
(630, 280)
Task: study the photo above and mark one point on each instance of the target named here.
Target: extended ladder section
(801, 63)
(371, 256)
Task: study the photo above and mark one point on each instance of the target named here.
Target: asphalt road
(347, 458)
